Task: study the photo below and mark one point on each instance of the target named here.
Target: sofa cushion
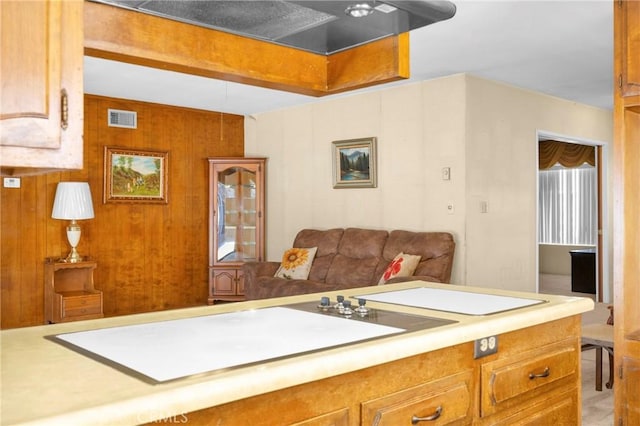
(296, 263)
(358, 257)
(403, 265)
(327, 243)
(436, 250)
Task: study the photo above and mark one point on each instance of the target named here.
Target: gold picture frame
(135, 176)
(354, 163)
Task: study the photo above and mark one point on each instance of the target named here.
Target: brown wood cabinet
(69, 292)
(559, 409)
(42, 86)
(513, 381)
(335, 418)
(626, 152)
(629, 40)
(226, 284)
(236, 223)
(528, 381)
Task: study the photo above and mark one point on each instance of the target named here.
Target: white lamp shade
(73, 201)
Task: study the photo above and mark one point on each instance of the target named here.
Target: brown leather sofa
(353, 257)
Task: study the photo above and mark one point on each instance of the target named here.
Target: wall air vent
(126, 119)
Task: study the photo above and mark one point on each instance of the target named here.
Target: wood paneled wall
(150, 256)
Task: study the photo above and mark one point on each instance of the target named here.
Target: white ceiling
(562, 48)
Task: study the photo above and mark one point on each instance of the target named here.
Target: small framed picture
(135, 176)
(354, 163)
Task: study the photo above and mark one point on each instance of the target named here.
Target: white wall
(503, 123)
(451, 122)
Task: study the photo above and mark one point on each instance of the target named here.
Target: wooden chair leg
(599, 368)
(609, 384)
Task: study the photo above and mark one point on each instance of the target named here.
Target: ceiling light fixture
(359, 10)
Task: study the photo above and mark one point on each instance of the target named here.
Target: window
(568, 206)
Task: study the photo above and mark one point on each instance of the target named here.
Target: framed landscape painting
(354, 163)
(135, 176)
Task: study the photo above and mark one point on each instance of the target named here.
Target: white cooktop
(174, 349)
(459, 302)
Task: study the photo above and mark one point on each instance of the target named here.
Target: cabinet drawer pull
(415, 419)
(545, 373)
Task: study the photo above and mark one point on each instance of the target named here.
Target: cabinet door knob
(545, 373)
(415, 419)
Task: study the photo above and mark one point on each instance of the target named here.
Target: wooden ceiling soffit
(122, 35)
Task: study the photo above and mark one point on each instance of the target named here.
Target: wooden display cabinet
(236, 223)
(626, 171)
(225, 284)
(69, 293)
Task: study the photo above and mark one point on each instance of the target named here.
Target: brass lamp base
(73, 256)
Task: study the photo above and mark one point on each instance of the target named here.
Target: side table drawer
(508, 381)
(86, 304)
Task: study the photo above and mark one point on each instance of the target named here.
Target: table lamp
(73, 202)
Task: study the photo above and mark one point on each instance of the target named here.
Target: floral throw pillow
(296, 263)
(403, 265)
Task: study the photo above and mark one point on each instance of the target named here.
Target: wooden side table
(69, 293)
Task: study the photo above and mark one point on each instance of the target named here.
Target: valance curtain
(568, 194)
(567, 154)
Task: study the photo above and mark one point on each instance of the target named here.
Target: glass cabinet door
(237, 212)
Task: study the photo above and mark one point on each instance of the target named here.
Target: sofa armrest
(253, 270)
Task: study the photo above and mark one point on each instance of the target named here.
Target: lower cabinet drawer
(88, 304)
(555, 409)
(442, 402)
(509, 381)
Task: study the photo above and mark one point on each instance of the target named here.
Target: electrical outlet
(450, 208)
(485, 346)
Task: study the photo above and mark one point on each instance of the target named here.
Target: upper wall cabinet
(629, 46)
(41, 108)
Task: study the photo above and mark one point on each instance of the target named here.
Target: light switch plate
(10, 182)
(446, 173)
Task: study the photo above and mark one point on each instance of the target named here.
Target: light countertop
(44, 382)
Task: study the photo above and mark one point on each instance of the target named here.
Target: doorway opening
(571, 218)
